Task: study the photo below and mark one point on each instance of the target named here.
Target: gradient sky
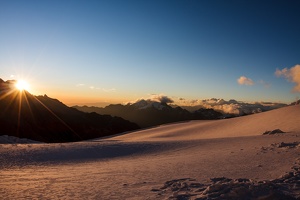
(118, 51)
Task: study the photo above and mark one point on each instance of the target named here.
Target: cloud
(243, 80)
(109, 90)
(292, 75)
(265, 84)
(91, 87)
(162, 98)
(235, 107)
(228, 108)
(284, 72)
(231, 106)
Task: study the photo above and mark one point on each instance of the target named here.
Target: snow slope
(171, 161)
(286, 119)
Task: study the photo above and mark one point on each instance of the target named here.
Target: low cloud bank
(292, 75)
(226, 107)
(233, 106)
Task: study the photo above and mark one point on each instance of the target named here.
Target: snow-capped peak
(144, 104)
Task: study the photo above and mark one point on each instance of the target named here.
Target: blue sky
(118, 51)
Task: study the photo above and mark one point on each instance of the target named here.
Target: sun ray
(29, 107)
(13, 98)
(19, 114)
(62, 121)
(7, 94)
(17, 95)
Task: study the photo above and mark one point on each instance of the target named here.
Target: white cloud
(235, 107)
(292, 75)
(243, 80)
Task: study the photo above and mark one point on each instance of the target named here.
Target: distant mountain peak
(144, 104)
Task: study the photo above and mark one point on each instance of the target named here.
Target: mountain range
(160, 109)
(45, 119)
(147, 113)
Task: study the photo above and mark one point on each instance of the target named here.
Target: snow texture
(187, 160)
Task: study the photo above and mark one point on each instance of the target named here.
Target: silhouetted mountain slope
(49, 120)
(147, 113)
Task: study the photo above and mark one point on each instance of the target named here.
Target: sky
(118, 51)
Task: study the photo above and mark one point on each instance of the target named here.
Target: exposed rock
(275, 131)
(287, 187)
(286, 145)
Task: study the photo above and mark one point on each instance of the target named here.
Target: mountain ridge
(147, 113)
(46, 119)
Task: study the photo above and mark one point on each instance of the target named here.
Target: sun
(22, 85)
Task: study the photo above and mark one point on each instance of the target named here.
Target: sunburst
(17, 92)
(22, 85)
